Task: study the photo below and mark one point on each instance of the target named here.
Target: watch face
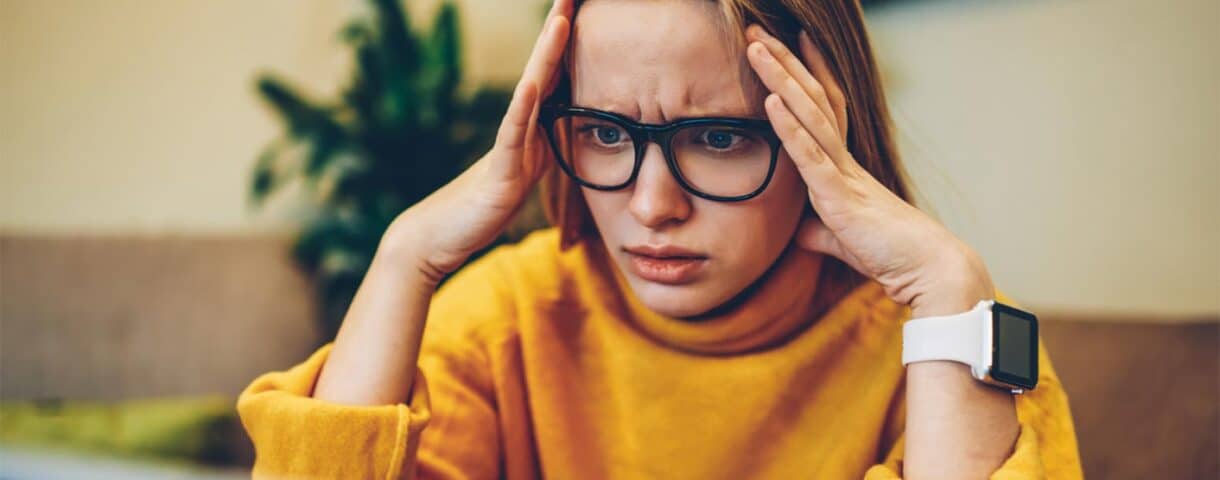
(1015, 348)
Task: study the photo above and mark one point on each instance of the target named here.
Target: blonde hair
(837, 30)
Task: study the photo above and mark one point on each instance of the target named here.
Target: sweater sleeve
(298, 436)
(1045, 447)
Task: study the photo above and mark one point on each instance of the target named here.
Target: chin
(678, 301)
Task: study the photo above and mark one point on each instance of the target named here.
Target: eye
(608, 135)
(603, 134)
(720, 139)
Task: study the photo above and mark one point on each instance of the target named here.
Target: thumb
(513, 136)
(815, 236)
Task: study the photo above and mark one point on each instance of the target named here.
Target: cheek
(761, 228)
(781, 204)
(604, 207)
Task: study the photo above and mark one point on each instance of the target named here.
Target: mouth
(667, 264)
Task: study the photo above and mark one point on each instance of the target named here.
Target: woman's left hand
(956, 427)
(918, 261)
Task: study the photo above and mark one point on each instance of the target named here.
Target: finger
(823, 178)
(821, 71)
(815, 236)
(548, 49)
(518, 125)
(512, 135)
(560, 8)
(799, 103)
(544, 61)
(801, 78)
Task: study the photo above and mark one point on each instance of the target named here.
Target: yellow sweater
(540, 363)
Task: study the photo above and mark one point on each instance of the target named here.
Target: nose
(656, 197)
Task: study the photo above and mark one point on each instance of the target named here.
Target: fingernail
(760, 51)
(774, 100)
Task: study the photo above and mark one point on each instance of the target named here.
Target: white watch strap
(961, 337)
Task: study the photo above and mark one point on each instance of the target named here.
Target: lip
(665, 264)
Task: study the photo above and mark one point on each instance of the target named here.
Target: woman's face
(656, 62)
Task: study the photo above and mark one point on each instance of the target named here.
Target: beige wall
(1073, 143)
(141, 115)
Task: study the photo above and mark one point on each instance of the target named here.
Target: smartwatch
(999, 343)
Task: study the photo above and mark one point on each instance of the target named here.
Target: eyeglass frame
(642, 134)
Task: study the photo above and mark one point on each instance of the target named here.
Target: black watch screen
(1015, 346)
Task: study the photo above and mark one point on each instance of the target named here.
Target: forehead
(664, 59)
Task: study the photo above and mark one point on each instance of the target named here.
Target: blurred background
(190, 192)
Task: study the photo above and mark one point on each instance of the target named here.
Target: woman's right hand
(374, 358)
(439, 233)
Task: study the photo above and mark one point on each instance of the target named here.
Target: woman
(689, 316)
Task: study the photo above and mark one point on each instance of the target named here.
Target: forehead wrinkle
(669, 77)
(731, 99)
(640, 95)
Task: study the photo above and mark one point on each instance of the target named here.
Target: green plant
(398, 131)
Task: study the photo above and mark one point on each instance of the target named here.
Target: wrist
(961, 282)
(948, 302)
(401, 251)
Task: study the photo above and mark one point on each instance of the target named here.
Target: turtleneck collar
(784, 301)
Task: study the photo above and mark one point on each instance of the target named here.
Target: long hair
(837, 30)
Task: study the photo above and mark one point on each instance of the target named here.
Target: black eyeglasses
(721, 159)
